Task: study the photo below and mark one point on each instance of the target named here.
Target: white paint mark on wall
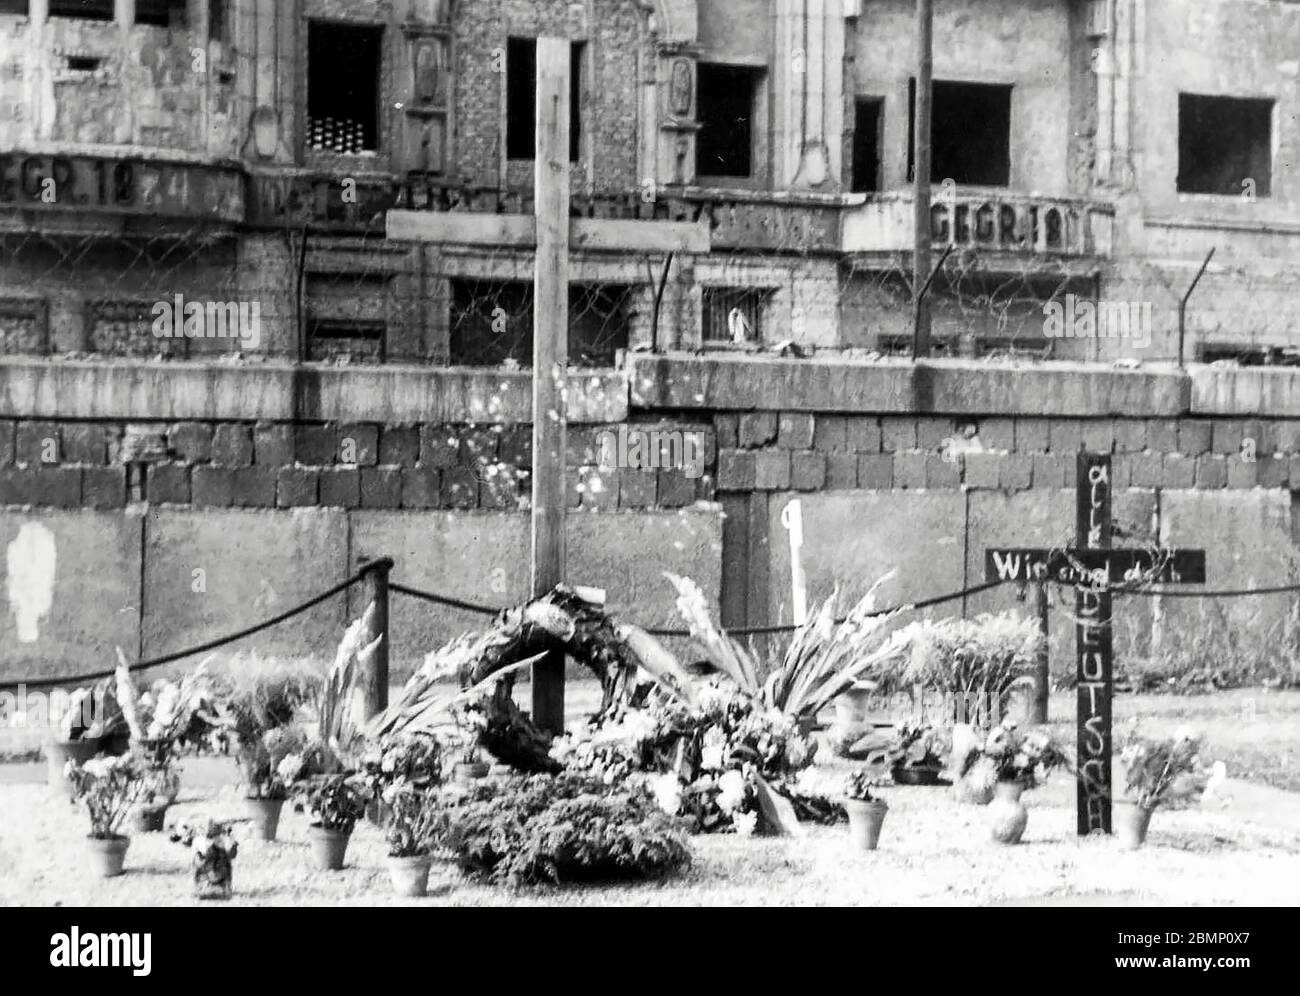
(30, 563)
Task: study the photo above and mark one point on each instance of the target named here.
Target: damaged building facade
(240, 156)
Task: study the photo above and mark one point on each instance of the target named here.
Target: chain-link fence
(778, 277)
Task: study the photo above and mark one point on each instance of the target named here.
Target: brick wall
(617, 38)
(801, 451)
(64, 464)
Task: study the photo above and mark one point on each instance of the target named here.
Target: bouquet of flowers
(1008, 754)
(717, 760)
(108, 787)
(159, 719)
(1163, 771)
(916, 746)
(213, 849)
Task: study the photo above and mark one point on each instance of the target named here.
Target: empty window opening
(728, 97)
(84, 63)
(18, 7)
(1224, 145)
(492, 322)
(521, 98)
(343, 63)
(162, 13)
(345, 341)
(89, 10)
(867, 117)
(970, 133)
(217, 20)
(734, 315)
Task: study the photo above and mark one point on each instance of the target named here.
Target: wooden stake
(1042, 667)
(921, 161)
(375, 682)
(550, 354)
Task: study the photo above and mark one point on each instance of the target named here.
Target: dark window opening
(1224, 145)
(970, 133)
(345, 341)
(217, 20)
(728, 96)
(492, 322)
(521, 98)
(84, 63)
(343, 63)
(1245, 356)
(89, 10)
(14, 7)
(733, 315)
(162, 13)
(867, 117)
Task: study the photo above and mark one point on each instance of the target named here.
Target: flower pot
(865, 819)
(328, 847)
(1008, 816)
(471, 771)
(972, 794)
(265, 814)
(57, 755)
(903, 775)
(410, 875)
(107, 855)
(149, 818)
(1130, 822)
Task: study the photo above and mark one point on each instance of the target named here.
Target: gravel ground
(933, 851)
(1243, 848)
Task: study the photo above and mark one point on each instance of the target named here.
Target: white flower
(731, 791)
(745, 823)
(711, 751)
(667, 791)
(289, 768)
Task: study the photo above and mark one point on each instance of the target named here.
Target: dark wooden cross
(1093, 566)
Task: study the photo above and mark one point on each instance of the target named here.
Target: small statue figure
(214, 849)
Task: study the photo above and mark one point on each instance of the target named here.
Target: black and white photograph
(651, 453)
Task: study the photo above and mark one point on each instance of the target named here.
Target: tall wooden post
(921, 161)
(374, 685)
(550, 353)
(1042, 661)
(1094, 648)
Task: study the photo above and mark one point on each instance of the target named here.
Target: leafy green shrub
(562, 828)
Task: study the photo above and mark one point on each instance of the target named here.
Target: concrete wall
(75, 581)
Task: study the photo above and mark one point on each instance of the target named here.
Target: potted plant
(265, 791)
(914, 755)
(866, 812)
(1158, 772)
(78, 730)
(255, 705)
(334, 797)
(1008, 761)
(158, 720)
(108, 787)
(469, 765)
(213, 849)
(415, 819)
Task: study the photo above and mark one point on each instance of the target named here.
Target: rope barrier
(202, 647)
(487, 610)
(739, 631)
